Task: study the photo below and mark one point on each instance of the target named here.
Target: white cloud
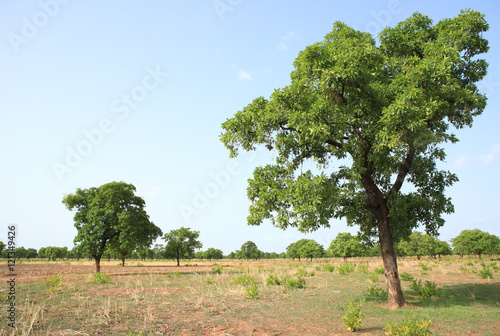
(478, 220)
(283, 44)
(244, 75)
(462, 161)
(490, 157)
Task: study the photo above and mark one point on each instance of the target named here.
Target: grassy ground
(158, 299)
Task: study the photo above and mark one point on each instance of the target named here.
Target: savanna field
(447, 296)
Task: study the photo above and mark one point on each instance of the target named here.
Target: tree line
(182, 243)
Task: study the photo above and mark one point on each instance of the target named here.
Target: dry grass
(156, 299)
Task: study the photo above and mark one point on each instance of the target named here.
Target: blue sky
(94, 92)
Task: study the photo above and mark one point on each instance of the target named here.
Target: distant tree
(231, 255)
(250, 251)
(110, 216)
(31, 253)
(159, 250)
(213, 253)
(2, 246)
(21, 252)
(443, 248)
(181, 243)
(305, 248)
(346, 245)
(476, 242)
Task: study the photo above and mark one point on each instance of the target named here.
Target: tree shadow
(486, 294)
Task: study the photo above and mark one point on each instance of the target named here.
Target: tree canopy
(476, 242)
(346, 245)
(305, 248)
(372, 116)
(110, 217)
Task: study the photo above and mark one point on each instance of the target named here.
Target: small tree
(476, 242)
(346, 245)
(250, 251)
(181, 243)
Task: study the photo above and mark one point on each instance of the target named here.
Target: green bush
(251, 291)
(346, 268)
(290, 283)
(373, 277)
(425, 290)
(353, 315)
(210, 281)
(217, 269)
(408, 327)
(486, 272)
(244, 280)
(379, 270)
(374, 290)
(273, 280)
(328, 268)
(101, 278)
(406, 276)
(53, 283)
(363, 269)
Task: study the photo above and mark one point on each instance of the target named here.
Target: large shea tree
(373, 116)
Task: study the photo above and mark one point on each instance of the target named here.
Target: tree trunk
(97, 263)
(395, 298)
(123, 262)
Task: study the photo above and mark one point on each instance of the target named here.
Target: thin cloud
(285, 39)
(244, 75)
(491, 156)
(462, 161)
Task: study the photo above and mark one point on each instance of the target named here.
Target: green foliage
(373, 277)
(425, 290)
(419, 244)
(345, 268)
(486, 271)
(110, 218)
(476, 242)
(328, 268)
(379, 270)
(346, 245)
(409, 327)
(305, 248)
(53, 283)
(101, 278)
(290, 283)
(249, 250)
(210, 281)
(273, 280)
(406, 276)
(353, 315)
(304, 273)
(217, 269)
(243, 280)
(374, 290)
(251, 291)
(181, 243)
(363, 269)
(425, 267)
(385, 108)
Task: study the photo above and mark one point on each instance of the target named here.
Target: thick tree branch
(403, 170)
